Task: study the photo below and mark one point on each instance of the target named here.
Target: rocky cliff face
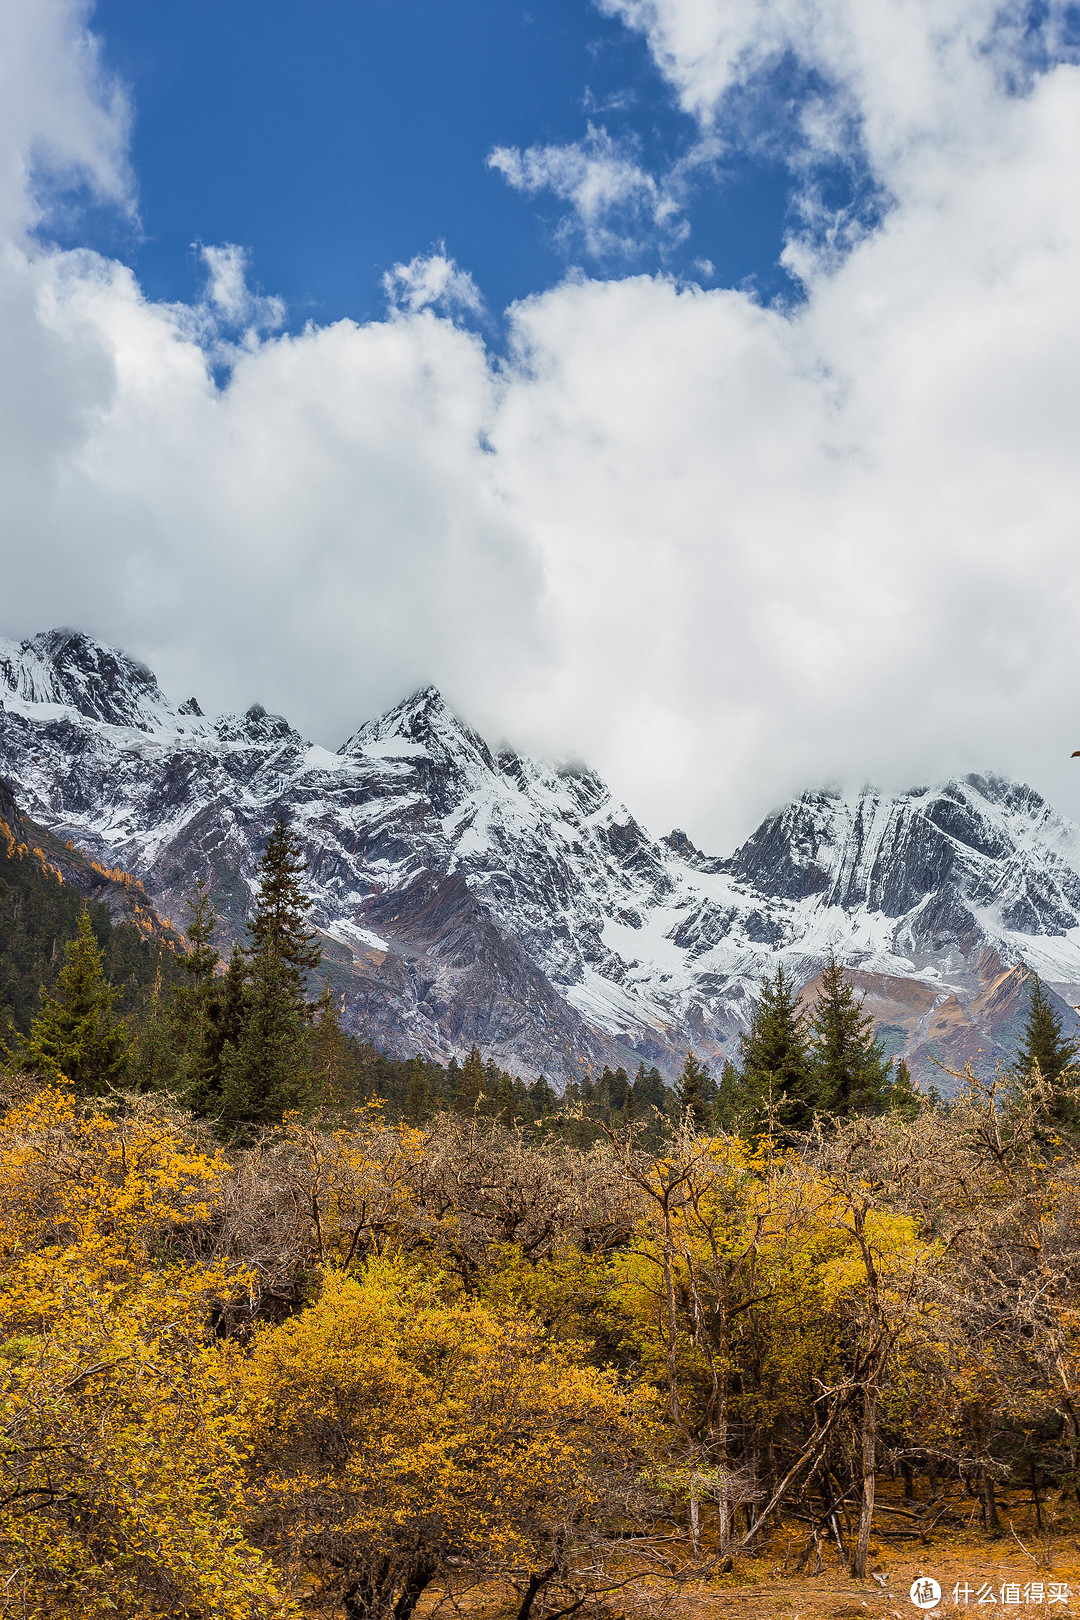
(471, 896)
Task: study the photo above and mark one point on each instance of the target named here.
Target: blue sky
(333, 138)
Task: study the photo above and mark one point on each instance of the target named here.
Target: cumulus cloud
(432, 281)
(64, 121)
(230, 318)
(721, 551)
(616, 206)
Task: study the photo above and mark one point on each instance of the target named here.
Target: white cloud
(616, 206)
(62, 118)
(229, 296)
(229, 319)
(432, 281)
(721, 551)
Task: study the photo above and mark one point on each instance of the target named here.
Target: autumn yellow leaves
(388, 1425)
(391, 1425)
(122, 1456)
(355, 1366)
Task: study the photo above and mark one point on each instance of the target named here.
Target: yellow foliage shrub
(396, 1427)
(121, 1467)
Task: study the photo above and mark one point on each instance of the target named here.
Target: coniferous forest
(296, 1327)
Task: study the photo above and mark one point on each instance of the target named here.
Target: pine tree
(542, 1097)
(498, 1089)
(155, 1056)
(202, 959)
(850, 1073)
(731, 1098)
(647, 1092)
(1046, 1052)
(279, 930)
(1044, 1046)
(226, 1011)
(264, 1074)
(695, 1094)
(334, 1061)
(904, 1096)
(417, 1103)
(471, 1082)
(76, 1037)
(265, 1071)
(188, 1018)
(777, 1083)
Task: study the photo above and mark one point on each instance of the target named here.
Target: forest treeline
(245, 1042)
(40, 912)
(270, 1348)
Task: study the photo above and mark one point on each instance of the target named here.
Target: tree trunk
(417, 1583)
(993, 1523)
(723, 1521)
(536, 1585)
(672, 1321)
(367, 1600)
(695, 1517)
(869, 1461)
(983, 1479)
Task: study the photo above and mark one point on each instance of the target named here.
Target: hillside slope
(43, 887)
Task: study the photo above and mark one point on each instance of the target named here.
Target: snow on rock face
(66, 668)
(982, 848)
(468, 896)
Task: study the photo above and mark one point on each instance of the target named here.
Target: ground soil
(770, 1588)
(764, 1593)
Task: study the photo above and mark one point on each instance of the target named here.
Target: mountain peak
(72, 669)
(422, 722)
(257, 726)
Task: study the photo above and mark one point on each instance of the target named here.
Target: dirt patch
(967, 1569)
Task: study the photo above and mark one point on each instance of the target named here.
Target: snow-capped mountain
(470, 896)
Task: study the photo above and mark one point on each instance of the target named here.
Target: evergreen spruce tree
(730, 1098)
(264, 1074)
(189, 1011)
(202, 960)
(76, 1037)
(543, 1099)
(279, 931)
(904, 1096)
(778, 1088)
(647, 1092)
(695, 1094)
(155, 1056)
(226, 1011)
(471, 1082)
(334, 1062)
(264, 1071)
(612, 1095)
(1044, 1046)
(417, 1103)
(1047, 1052)
(849, 1071)
(498, 1089)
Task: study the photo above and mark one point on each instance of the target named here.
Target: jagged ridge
(468, 895)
